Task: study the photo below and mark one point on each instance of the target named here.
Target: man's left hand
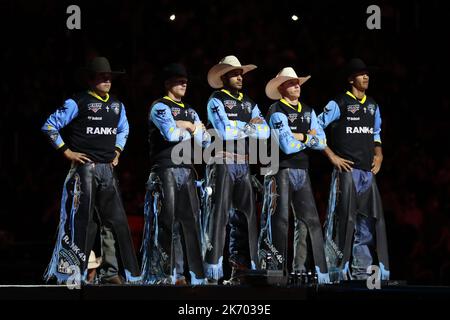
(257, 120)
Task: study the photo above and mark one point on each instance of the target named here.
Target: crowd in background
(41, 64)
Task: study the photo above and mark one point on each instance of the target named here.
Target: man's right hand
(298, 136)
(76, 157)
(186, 125)
(341, 163)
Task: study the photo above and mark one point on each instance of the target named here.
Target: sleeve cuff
(305, 138)
(197, 128)
(377, 143)
(117, 148)
(62, 148)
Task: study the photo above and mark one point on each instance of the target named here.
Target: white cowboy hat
(94, 262)
(225, 65)
(283, 76)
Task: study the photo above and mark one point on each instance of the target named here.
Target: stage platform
(389, 291)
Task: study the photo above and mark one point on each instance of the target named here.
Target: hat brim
(94, 262)
(369, 70)
(94, 265)
(115, 72)
(272, 86)
(174, 76)
(219, 70)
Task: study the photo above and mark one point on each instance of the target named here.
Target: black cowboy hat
(356, 66)
(173, 70)
(100, 65)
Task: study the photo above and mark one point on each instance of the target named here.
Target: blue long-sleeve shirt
(98, 126)
(355, 128)
(123, 129)
(288, 144)
(161, 116)
(332, 113)
(58, 120)
(235, 129)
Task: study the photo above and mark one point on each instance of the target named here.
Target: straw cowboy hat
(225, 65)
(283, 76)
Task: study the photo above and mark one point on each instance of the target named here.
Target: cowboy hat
(94, 262)
(174, 70)
(100, 65)
(357, 66)
(284, 75)
(225, 65)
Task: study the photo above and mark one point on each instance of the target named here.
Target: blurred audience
(40, 69)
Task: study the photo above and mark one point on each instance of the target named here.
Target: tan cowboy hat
(94, 262)
(283, 76)
(225, 65)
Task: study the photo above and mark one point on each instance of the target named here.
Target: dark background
(41, 58)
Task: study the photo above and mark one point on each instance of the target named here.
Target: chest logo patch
(115, 107)
(247, 107)
(192, 114)
(230, 104)
(307, 116)
(353, 108)
(292, 117)
(94, 107)
(175, 111)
